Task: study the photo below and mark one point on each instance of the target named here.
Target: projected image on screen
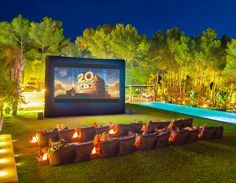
(86, 83)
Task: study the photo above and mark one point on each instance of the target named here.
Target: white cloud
(63, 73)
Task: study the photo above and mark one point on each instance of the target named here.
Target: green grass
(203, 161)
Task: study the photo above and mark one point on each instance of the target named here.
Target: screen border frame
(54, 108)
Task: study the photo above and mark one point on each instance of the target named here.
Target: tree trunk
(19, 78)
(1, 110)
(180, 85)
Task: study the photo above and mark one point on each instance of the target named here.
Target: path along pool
(193, 111)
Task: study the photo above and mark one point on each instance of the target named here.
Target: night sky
(192, 16)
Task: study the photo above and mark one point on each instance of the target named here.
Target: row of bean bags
(88, 133)
(78, 152)
(208, 133)
(154, 126)
(190, 135)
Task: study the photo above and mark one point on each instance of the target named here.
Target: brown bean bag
(100, 130)
(175, 124)
(66, 134)
(148, 142)
(155, 125)
(188, 122)
(192, 135)
(179, 124)
(218, 132)
(178, 137)
(62, 156)
(162, 139)
(88, 134)
(83, 151)
(126, 145)
(123, 129)
(165, 124)
(206, 133)
(45, 136)
(109, 148)
(138, 141)
(136, 127)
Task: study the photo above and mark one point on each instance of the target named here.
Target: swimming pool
(193, 111)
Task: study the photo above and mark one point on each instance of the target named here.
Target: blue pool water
(193, 111)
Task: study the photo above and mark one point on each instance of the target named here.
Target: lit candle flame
(94, 151)
(34, 139)
(75, 136)
(45, 156)
(111, 132)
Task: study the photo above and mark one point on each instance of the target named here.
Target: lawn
(203, 161)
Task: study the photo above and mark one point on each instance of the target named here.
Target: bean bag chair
(148, 142)
(45, 136)
(83, 151)
(206, 133)
(179, 124)
(162, 139)
(53, 143)
(188, 122)
(173, 125)
(165, 124)
(153, 126)
(123, 129)
(109, 148)
(136, 127)
(66, 134)
(178, 137)
(100, 130)
(218, 132)
(87, 134)
(145, 129)
(138, 141)
(64, 155)
(192, 135)
(126, 145)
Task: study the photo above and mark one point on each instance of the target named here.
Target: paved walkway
(7, 160)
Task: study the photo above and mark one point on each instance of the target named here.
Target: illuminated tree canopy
(176, 64)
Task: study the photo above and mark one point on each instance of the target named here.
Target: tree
(97, 42)
(231, 58)
(8, 86)
(230, 69)
(225, 39)
(117, 42)
(46, 38)
(207, 45)
(184, 56)
(17, 34)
